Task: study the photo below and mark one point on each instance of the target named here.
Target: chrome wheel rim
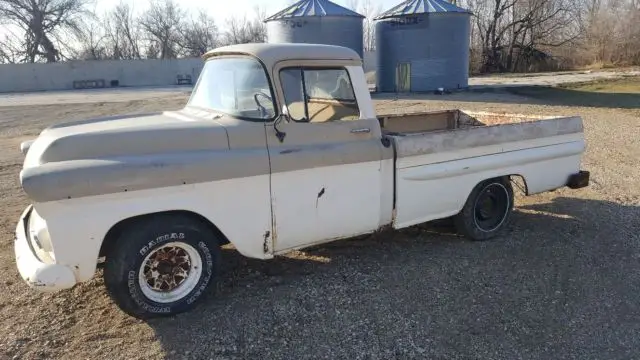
(170, 272)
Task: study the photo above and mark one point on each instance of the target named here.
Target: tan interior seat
(321, 110)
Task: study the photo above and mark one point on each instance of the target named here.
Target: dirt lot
(563, 281)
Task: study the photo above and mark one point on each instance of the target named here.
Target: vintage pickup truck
(278, 148)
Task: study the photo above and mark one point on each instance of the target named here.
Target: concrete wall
(61, 76)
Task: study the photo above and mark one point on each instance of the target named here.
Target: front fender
(240, 208)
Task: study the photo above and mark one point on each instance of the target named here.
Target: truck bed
(442, 155)
(451, 130)
(430, 121)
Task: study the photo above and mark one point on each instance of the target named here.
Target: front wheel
(487, 209)
(162, 266)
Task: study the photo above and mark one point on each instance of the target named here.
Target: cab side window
(319, 95)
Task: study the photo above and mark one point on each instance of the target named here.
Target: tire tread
(464, 220)
(129, 243)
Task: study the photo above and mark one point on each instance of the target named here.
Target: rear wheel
(162, 266)
(487, 209)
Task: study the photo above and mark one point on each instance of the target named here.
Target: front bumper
(39, 275)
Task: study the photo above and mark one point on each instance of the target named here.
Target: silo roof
(306, 8)
(416, 7)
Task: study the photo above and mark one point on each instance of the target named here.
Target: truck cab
(279, 147)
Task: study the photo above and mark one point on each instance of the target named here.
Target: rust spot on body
(319, 196)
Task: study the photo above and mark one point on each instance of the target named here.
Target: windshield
(236, 86)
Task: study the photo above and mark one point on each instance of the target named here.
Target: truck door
(325, 170)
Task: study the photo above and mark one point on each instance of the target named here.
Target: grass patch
(619, 93)
(626, 85)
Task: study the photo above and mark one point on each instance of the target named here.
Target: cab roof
(270, 54)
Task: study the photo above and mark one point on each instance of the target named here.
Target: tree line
(506, 35)
(59, 30)
(532, 35)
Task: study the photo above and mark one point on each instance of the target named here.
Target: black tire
(162, 235)
(476, 222)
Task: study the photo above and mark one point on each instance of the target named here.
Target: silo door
(403, 77)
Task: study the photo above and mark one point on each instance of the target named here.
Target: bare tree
(611, 31)
(243, 30)
(92, 43)
(538, 24)
(511, 31)
(123, 35)
(369, 11)
(11, 49)
(46, 25)
(509, 35)
(199, 35)
(162, 26)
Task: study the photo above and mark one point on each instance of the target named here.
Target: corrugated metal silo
(317, 22)
(422, 45)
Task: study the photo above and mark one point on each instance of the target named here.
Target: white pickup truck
(278, 148)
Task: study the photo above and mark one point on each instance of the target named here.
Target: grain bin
(317, 22)
(422, 45)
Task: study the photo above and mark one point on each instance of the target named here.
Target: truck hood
(131, 153)
(166, 132)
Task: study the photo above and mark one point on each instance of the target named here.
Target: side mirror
(285, 113)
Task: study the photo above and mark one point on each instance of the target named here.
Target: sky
(223, 9)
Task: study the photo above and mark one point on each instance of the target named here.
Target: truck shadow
(569, 97)
(532, 95)
(553, 282)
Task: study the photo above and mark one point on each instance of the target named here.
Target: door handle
(360, 131)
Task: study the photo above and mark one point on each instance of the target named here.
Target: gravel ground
(562, 282)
